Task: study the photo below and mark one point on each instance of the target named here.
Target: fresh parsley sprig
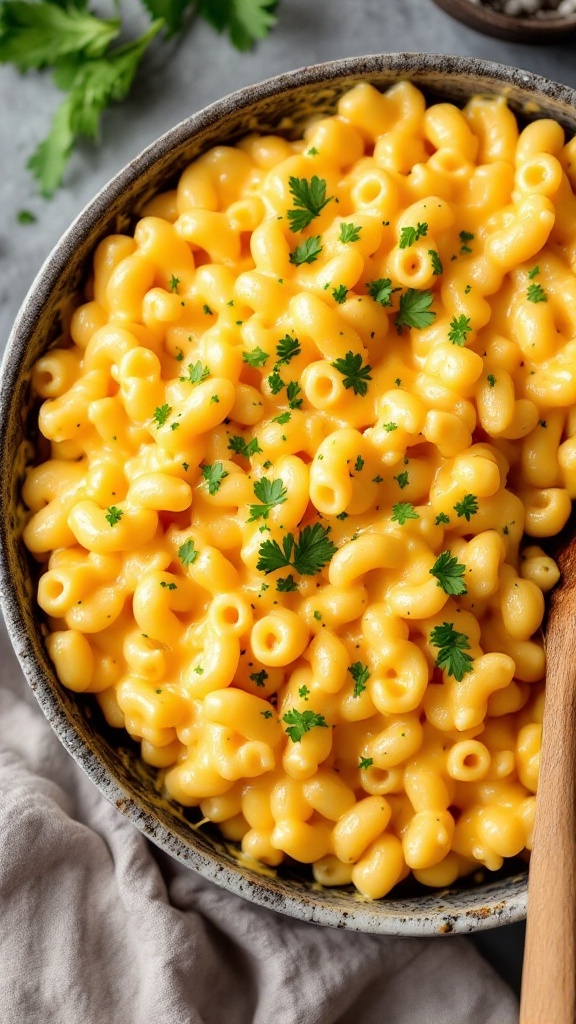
(414, 309)
(269, 493)
(301, 722)
(409, 235)
(307, 555)
(448, 572)
(356, 376)
(452, 648)
(309, 200)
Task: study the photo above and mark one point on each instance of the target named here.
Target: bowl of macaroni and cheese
(287, 418)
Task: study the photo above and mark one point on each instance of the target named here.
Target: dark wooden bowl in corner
(542, 31)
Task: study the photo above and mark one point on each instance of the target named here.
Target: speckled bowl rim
(452, 911)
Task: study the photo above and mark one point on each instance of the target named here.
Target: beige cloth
(98, 927)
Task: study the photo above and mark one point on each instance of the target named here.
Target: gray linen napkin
(98, 927)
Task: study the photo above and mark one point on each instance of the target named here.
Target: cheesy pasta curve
(311, 422)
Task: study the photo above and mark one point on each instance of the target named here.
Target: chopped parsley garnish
(161, 414)
(196, 373)
(491, 379)
(534, 272)
(214, 474)
(113, 515)
(309, 201)
(448, 572)
(239, 446)
(365, 762)
(355, 375)
(441, 518)
(292, 392)
(275, 382)
(452, 654)
(414, 309)
(402, 479)
(168, 586)
(286, 584)
(206, 309)
(174, 282)
(283, 418)
(389, 427)
(403, 511)
(536, 293)
(306, 252)
(318, 616)
(257, 357)
(215, 399)
(303, 692)
(270, 493)
(459, 328)
(349, 233)
(467, 507)
(409, 235)
(266, 714)
(300, 722)
(259, 677)
(308, 555)
(437, 267)
(381, 290)
(465, 237)
(287, 348)
(187, 552)
(360, 674)
(339, 294)
(359, 464)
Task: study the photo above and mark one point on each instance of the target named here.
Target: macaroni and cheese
(306, 417)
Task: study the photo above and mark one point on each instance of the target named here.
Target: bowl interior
(282, 105)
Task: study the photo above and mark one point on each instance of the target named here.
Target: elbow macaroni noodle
(303, 421)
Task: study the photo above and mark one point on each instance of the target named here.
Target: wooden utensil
(549, 973)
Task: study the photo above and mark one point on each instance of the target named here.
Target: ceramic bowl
(482, 17)
(283, 103)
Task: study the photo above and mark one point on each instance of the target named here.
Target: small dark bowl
(542, 31)
(109, 759)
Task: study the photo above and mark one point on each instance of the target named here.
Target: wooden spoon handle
(549, 974)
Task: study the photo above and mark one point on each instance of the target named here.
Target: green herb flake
(214, 474)
(309, 201)
(404, 511)
(301, 722)
(448, 572)
(187, 552)
(360, 674)
(113, 515)
(452, 654)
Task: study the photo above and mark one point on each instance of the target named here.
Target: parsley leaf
(196, 373)
(36, 35)
(414, 309)
(389, 427)
(275, 382)
(113, 515)
(187, 552)
(359, 464)
(292, 392)
(402, 479)
(300, 722)
(403, 511)
(365, 762)
(459, 328)
(465, 237)
(245, 21)
(452, 654)
(270, 493)
(286, 584)
(355, 375)
(303, 692)
(308, 555)
(283, 418)
(349, 233)
(437, 267)
(491, 379)
(256, 357)
(534, 272)
(259, 677)
(536, 293)
(381, 290)
(448, 572)
(441, 518)
(306, 252)
(214, 474)
(409, 235)
(467, 507)
(339, 294)
(309, 200)
(174, 282)
(238, 445)
(360, 674)
(287, 348)
(161, 414)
